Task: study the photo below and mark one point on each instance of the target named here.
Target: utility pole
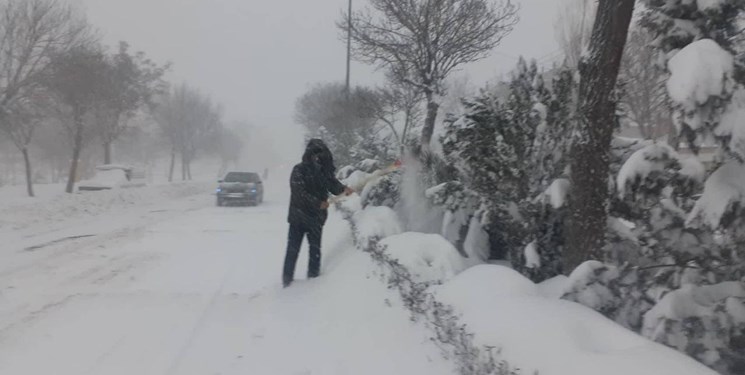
(349, 45)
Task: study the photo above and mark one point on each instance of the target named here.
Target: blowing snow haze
(189, 187)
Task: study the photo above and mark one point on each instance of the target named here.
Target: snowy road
(182, 287)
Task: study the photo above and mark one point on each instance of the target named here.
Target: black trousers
(294, 241)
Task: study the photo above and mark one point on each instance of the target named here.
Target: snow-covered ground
(157, 280)
(163, 282)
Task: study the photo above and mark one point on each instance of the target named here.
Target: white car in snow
(112, 176)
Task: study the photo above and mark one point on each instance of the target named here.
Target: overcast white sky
(257, 56)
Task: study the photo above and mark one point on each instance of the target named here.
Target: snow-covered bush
(722, 204)
(665, 240)
(610, 290)
(429, 257)
(383, 191)
(368, 165)
(589, 285)
(707, 322)
(537, 332)
(376, 186)
(509, 153)
(675, 258)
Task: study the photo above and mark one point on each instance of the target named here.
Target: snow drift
(554, 337)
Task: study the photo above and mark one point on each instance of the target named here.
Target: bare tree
(422, 41)
(19, 122)
(573, 27)
(590, 156)
(644, 98)
(31, 31)
(399, 108)
(75, 79)
(130, 84)
(189, 120)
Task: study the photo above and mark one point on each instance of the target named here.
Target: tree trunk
(673, 138)
(429, 122)
(29, 176)
(173, 165)
(188, 169)
(183, 167)
(590, 159)
(74, 165)
(107, 152)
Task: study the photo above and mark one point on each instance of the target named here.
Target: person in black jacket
(310, 183)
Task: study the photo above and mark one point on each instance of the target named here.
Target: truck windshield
(243, 177)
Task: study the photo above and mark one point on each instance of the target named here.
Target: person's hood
(326, 160)
(314, 146)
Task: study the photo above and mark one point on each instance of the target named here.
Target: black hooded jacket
(310, 184)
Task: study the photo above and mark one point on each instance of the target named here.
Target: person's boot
(286, 282)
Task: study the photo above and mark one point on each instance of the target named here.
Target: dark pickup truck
(240, 187)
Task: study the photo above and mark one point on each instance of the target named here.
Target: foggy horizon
(257, 60)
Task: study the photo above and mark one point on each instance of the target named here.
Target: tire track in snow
(36, 315)
(199, 323)
(78, 246)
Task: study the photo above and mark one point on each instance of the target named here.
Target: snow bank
(699, 71)
(724, 188)
(429, 257)
(554, 337)
(351, 203)
(380, 222)
(58, 208)
(497, 281)
(553, 287)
